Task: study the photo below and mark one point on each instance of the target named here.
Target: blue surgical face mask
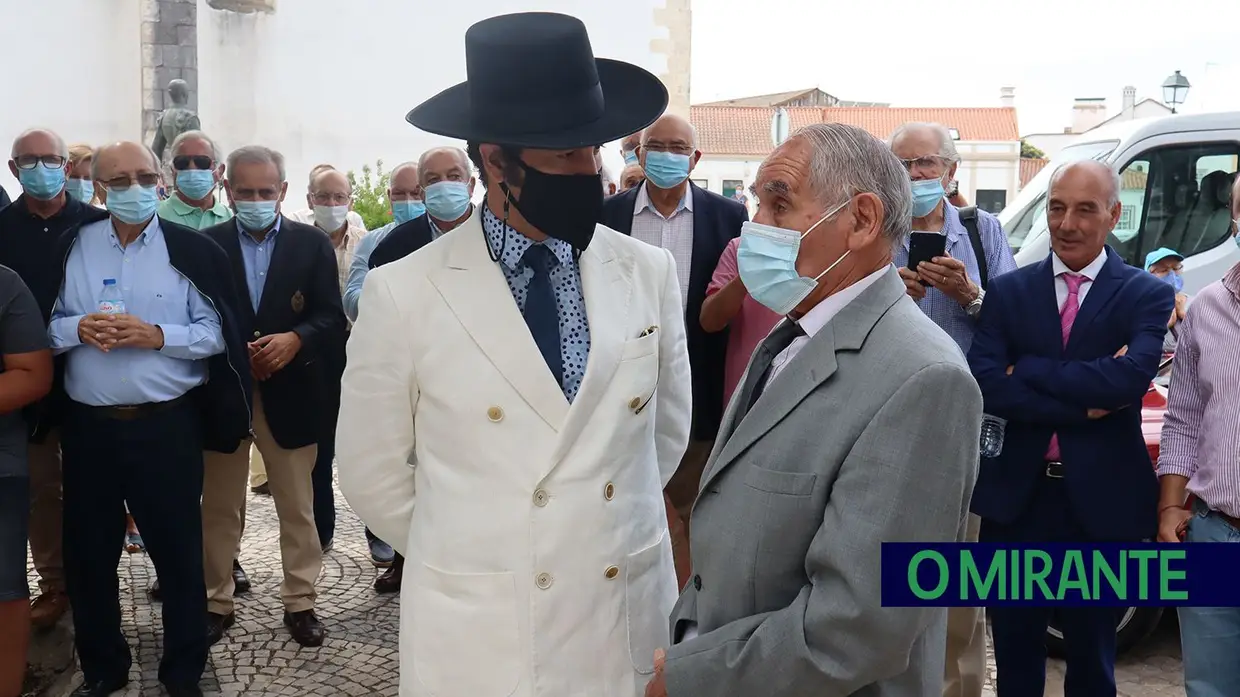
(81, 189)
(666, 169)
(630, 157)
(196, 184)
(256, 215)
(447, 200)
(767, 261)
(134, 204)
(41, 181)
(404, 211)
(1174, 280)
(926, 195)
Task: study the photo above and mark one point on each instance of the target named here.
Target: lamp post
(780, 123)
(1175, 90)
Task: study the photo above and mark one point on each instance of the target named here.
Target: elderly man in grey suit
(857, 423)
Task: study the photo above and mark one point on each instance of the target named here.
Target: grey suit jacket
(869, 435)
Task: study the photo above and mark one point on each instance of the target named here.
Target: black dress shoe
(305, 627)
(241, 582)
(389, 580)
(263, 489)
(154, 592)
(183, 690)
(216, 626)
(99, 688)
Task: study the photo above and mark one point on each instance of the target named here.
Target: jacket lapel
(813, 365)
(1046, 305)
(606, 283)
(475, 289)
(1100, 292)
(232, 246)
(701, 261)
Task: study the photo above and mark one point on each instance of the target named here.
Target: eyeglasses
(324, 199)
(678, 148)
(922, 163)
(145, 180)
(30, 161)
(183, 162)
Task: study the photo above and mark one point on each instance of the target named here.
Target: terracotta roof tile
(733, 130)
(1029, 168)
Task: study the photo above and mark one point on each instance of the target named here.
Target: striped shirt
(1200, 439)
(673, 233)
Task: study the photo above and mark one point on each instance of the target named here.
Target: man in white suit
(527, 375)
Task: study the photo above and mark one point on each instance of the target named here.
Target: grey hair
(460, 155)
(60, 142)
(1113, 180)
(255, 155)
(402, 167)
(846, 161)
(947, 145)
(196, 135)
(98, 156)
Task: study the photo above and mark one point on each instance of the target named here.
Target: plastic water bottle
(992, 435)
(111, 302)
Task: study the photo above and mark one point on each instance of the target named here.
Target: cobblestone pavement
(359, 658)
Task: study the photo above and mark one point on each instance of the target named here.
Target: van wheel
(1133, 625)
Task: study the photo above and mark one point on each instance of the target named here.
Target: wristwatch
(974, 308)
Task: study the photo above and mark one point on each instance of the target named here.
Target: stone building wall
(677, 17)
(169, 51)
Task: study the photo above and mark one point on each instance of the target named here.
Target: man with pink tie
(1064, 351)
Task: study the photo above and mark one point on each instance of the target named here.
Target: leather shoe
(305, 627)
(217, 624)
(381, 553)
(47, 609)
(183, 690)
(263, 489)
(99, 688)
(154, 591)
(241, 582)
(389, 581)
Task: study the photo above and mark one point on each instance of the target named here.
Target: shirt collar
(830, 306)
(1091, 271)
(643, 201)
(69, 207)
(245, 234)
(149, 233)
(182, 208)
(513, 244)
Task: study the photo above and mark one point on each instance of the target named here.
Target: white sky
(959, 53)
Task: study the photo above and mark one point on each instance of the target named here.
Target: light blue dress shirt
(154, 292)
(256, 258)
(360, 266)
(948, 313)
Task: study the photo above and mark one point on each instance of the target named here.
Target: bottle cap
(109, 281)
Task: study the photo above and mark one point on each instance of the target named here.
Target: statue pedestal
(243, 6)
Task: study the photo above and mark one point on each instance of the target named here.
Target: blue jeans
(1210, 636)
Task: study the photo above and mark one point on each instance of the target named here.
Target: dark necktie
(772, 346)
(542, 314)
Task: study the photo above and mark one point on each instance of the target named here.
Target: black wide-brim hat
(533, 82)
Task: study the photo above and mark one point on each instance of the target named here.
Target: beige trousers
(964, 670)
(258, 470)
(46, 513)
(223, 519)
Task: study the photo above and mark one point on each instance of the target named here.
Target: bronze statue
(175, 120)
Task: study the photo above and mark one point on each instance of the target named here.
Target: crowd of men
(578, 375)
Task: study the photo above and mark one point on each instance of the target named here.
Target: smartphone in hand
(925, 246)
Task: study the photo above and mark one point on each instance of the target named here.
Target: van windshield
(1026, 212)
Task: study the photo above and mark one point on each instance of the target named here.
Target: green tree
(1030, 152)
(370, 198)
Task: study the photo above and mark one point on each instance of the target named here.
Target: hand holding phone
(925, 246)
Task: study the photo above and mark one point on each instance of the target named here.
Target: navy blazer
(1110, 478)
(716, 221)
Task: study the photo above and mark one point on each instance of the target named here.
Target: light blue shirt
(360, 266)
(256, 258)
(948, 313)
(154, 292)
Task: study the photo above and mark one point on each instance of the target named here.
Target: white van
(1176, 174)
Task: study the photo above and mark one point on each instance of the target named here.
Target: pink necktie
(1067, 315)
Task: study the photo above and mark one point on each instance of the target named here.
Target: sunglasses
(182, 162)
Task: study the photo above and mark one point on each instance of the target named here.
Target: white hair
(947, 145)
(196, 135)
(255, 155)
(1112, 178)
(62, 149)
(461, 156)
(846, 161)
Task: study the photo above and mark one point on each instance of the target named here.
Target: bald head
(1090, 172)
(1082, 208)
(330, 187)
(668, 130)
(123, 158)
(632, 177)
(39, 141)
(404, 185)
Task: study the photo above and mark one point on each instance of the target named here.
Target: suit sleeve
(375, 432)
(908, 478)
(1108, 383)
(674, 397)
(325, 324)
(1008, 396)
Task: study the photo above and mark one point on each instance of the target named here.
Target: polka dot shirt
(565, 282)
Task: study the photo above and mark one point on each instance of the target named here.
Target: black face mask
(563, 206)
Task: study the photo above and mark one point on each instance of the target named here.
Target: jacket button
(635, 403)
(543, 580)
(541, 497)
(495, 414)
(612, 572)
(609, 491)
(697, 582)
(257, 334)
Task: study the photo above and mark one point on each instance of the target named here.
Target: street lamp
(780, 124)
(1175, 90)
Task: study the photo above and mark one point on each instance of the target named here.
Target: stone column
(169, 51)
(677, 17)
